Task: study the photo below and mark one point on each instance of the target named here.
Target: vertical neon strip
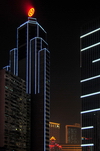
(37, 31)
(44, 99)
(30, 67)
(10, 60)
(41, 43)
(39, 66)
(38, 63)
(27, 64)
(39, 72)
(17, 54)
(14, 61)
(35, 65)
(13, 52)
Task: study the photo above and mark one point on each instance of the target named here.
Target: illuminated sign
(31, 12)
(52, 138)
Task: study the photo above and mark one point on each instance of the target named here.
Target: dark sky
(62, 21)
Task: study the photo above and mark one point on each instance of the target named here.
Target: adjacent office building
(14, 113)
(30, 61)
(90, 84)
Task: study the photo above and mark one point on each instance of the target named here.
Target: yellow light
(54, 123)
(52, 138)
(31, 12)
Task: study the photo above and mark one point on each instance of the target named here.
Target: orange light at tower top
(31, 12)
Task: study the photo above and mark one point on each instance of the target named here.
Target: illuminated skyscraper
(90, 83)
(31, 43)
(34, 67)
(31, 62)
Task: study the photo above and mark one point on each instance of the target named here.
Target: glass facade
(26, 33)
(31, 62)
(90, 84)
(34, 67)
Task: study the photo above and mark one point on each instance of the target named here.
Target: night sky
(62, 21)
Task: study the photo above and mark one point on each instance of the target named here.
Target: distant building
(73, 134)
(55, 131)
(14, 113)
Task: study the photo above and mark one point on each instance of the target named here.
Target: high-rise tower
(31, 38)
(34, 67)
(30, 60)
(90, 83)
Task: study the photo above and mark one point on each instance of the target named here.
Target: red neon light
(31, 12)
(55, 145)
(26, 7)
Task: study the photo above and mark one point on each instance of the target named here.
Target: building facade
(30, 61)
(55, 131)
(90, 84)
(73, 134)
(14, 113)
(34, 67)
